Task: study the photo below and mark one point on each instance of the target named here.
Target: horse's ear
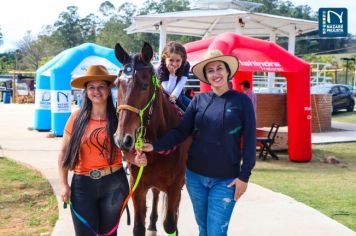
(121, 54)
(146, 52)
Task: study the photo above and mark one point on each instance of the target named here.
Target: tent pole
(162, 37)
(271, 75)
(291, 39)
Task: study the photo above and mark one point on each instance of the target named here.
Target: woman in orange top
(99, 185)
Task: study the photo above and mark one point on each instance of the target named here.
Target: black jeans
(98, 201)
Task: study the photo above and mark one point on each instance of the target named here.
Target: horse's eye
(128, 70)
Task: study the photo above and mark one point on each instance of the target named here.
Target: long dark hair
(80, 125)
(176, 48)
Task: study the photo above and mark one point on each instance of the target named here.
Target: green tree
(89, 26)
(68, 28)
(7, 61)
(30, 52)
(126, 11)
(107, 9)
(149, 7)
(303, 12)
(269, 6)
(113, 30)
(285, 8)
(111, 33)
(152, 6)
(49, 42)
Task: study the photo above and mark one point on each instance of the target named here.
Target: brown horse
(163, 172)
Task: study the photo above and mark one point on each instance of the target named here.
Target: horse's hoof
(150, 233)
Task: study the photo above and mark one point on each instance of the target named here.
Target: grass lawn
(329, 188)
(342, 116)
(27, 203)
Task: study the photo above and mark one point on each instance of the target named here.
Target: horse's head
(135, 90)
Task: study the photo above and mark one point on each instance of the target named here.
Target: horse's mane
(165, 116)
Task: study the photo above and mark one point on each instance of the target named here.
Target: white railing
(260, 81)
(318, 73)
(192, 83)
(260, 84)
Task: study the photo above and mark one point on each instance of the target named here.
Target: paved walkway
(346, 133)
(259, 212)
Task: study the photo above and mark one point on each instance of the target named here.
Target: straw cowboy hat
(215, 55)
(94, 73)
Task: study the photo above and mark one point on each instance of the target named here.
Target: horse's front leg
(152, 229)
(171, 219)
(139, 202)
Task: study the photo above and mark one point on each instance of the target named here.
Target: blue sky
(19, 16)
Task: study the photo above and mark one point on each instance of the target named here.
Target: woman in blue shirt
(218, 121)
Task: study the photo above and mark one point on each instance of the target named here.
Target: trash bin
(6, 97)
(79, 100)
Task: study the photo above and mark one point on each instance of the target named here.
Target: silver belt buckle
(95, 174)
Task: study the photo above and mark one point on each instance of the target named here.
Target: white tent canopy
(211, 22)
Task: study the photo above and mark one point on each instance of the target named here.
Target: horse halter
(140, 112)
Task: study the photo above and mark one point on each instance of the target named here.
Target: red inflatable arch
(263, 56)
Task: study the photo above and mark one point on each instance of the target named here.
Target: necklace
(97, 117)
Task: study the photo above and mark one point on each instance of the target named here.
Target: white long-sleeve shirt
(172, 87)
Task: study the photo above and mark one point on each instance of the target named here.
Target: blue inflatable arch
(53, 92)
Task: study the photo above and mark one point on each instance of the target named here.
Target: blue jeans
(183, 102)
(213, 203)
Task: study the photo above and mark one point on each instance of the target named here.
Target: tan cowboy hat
(215, 55)
(94, 73)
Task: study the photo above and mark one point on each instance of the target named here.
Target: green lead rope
(139, 140)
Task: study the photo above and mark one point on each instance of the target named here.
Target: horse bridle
(141, 112)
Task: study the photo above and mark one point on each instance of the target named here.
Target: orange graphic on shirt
(94, 150)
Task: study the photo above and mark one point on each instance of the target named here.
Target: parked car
(342, 98)
(352, 89)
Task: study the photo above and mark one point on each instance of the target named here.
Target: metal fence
(261, 80)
